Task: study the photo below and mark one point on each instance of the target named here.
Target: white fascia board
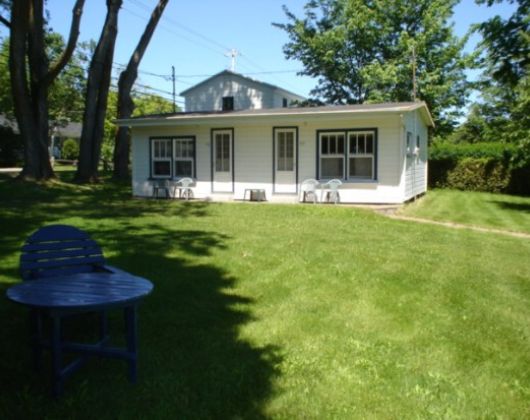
(262, 117)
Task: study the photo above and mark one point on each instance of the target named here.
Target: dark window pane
(361, 167)
(289, 150)
(226, 147)
(332, 167)
(332, 145)
(369, 143)
(340, 144)
(353, 144)
(281, 147)
(324, 142)
(360, 143)
(183, 168)
(162, 168)
(418, 142)
(228, 103)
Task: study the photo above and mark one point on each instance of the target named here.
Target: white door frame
(230, 175)
(275, 171)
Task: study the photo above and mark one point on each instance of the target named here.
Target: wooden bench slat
(83, 252)
(61, 263)
(45, 246)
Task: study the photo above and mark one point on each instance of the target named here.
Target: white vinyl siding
(254, 159)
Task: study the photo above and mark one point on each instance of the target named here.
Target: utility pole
(173, 80)
(414, 73)
(233, 53)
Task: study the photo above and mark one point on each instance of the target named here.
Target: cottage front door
(285, 166)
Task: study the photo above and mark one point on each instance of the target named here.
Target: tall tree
(125, 100)
(99, 76)
(31, 76)
(502, 111)
(366, 51)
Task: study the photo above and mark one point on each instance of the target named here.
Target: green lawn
(282, 311)
(498, 211)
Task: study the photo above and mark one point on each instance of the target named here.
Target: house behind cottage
(229, 91)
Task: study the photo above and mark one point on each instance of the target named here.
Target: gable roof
(231, 73)
(200, 116)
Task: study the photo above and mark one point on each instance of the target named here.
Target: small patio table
(78, 293)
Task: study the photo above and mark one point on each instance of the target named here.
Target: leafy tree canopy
(66, 93)
(365, 50)
(503, 110)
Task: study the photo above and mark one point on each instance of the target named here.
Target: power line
(142, 5)
(174, 33)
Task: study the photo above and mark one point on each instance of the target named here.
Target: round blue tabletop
(81, 291)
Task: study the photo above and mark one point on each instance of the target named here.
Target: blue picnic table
(80, 293)
(65, 273)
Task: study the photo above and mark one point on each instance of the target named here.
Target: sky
(194, 36)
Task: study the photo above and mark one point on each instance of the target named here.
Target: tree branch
(5, 21)
(56, 67)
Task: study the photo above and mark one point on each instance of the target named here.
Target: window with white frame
(331, 149)
(222, 152)
(361, 159)
(161, 158)
(184, 156)
(285, 150)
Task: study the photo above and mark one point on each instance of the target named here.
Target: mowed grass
(498, 211)
(281, 311)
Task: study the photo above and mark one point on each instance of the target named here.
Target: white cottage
(239, 134)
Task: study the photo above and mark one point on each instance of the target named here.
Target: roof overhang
(264, 115)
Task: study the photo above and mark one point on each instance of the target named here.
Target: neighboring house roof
(231, 73)
(182, 117)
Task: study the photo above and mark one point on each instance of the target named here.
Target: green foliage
(70, 149)
(455, 152)
(503, 111)
(362, 51)
(490, 167)
(144, 105)
(66, 93)
(151, 104)
(478, 174)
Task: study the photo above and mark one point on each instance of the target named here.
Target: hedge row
(488, 167)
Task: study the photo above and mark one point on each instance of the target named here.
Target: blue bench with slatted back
(60, 250)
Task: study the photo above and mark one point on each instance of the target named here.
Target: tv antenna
(233, 54)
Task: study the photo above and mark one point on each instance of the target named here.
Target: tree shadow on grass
(505, 205)
(192, 361)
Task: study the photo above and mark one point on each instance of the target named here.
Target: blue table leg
(132, 340)
(103, 325)
(57, 379)
(36, 337)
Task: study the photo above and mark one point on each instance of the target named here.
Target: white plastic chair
(309, 187)
(183, 186)
(331, 189)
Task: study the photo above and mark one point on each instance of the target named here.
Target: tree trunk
(125, 102)
(27, 57)
(96, 97)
